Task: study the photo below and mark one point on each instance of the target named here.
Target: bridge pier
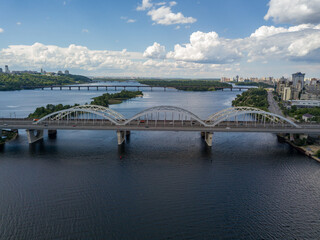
(79, 88)
(207, 136)
(121, 137)
(34, 135)
(60, 88)
(97, 88)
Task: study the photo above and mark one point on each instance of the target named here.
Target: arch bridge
(161, 118)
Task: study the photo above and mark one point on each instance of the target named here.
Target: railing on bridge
(158, 118)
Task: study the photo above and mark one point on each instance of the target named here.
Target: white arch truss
(94, 110)
(170, 110)
(235, 112)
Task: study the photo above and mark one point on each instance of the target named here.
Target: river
(159, 185)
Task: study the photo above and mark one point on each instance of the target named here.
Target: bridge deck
(160, 125)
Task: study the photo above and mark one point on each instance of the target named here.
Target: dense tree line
(29, 81)
(254, 97)
(257, 84)
(103, 100)
(297, 113)
(186, 85)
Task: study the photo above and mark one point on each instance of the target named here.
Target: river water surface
(159, 185)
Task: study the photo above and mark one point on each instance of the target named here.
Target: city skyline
(163, 39)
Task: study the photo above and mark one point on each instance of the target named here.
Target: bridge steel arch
(103, 112)
(166, 109)
(235, 112)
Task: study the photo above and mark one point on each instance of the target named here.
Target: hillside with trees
(9, 82)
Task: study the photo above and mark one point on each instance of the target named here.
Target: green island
(103, 100)
(10, 82)
(254, 97)
(256, 84)
(186, 85)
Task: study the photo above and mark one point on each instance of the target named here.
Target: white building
(305, 103)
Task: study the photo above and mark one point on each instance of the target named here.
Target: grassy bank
(10, 82)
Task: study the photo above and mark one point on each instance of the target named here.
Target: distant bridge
(161, 118)
(123, 87)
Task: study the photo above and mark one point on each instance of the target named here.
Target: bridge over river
(124, 87)
(161, 118)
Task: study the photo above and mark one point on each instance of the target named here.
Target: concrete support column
(128, 133)
(0, 133)
(208, 138)
(121, 137)
(34, 135)
(291, 137)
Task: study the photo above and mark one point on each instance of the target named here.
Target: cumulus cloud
(144, 5)
(155, 51)
(77, 57)
(1, 30)
(207, 48)
(294, 11)
(299, 43)
(163, 15)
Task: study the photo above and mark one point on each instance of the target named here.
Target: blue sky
(147, 38)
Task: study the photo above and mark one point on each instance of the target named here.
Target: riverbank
(7, 136)
(308, 150)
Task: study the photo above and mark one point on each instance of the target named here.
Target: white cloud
(1, 30)
(144, 5)
(155, 51)
(85, 30)
(76, 57)
(207, 48)
(177, 27)
(164, 16)
(173, 3)
(18, 23)
(131, 20)
(299, 43)
(294, 11)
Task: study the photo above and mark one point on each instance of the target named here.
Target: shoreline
(301, 149)
(14, 136)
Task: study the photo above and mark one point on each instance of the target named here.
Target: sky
(167, 39)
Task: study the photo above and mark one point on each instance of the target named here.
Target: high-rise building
(66, 72)
(0, 70)
(298, 80)
(6, 69)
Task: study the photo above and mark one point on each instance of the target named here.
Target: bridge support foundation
(34, 135)
(208, 136)
(291, 137)
(121, 137)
